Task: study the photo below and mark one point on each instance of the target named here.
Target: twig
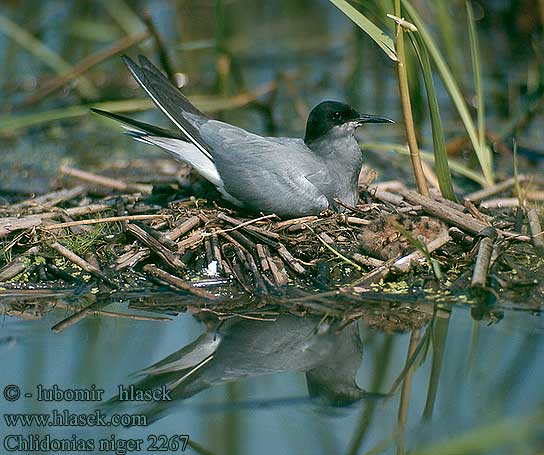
(475, 212)
(12, 224)
(405, 263)
(111, 219)
(500, 203)
(246, 224)
(444, 212)
(495, 189)
(85, 65)
(135, 317)
(157, 247)
(279, 274)
(367, 260)
(265, 266)
(461, 220)
(177, 283)
(190, 241)
(454, 205)
(84, 210)
(536, 230)
(481, 269)
(183, 228)
(93, 308)
(105, 181)
(386, 196)
(17, 265)
(50, 199)
(460, 237)
(259, 282)
(287, 223)
(327, 243)
(131, 258)
(249, 263)
(289, 259)
(80, 262)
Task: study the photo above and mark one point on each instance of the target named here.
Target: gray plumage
(286, 176)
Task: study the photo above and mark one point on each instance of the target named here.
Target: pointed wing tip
(144, 61)
(98, 111)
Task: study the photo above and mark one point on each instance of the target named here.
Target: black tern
(286, 176)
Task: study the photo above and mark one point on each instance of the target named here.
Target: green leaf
(475, 53)
(439, 145)
(483, 153)
(381, 39)
(455, 166)
(42, 52)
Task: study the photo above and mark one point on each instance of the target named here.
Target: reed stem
(407, 108)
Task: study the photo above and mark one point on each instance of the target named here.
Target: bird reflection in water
(240, 348)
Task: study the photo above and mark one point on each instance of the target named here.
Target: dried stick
(50, 199)
(183, 228)
(405, 263)
(17, 265)
(177, 283)
(85, 65)
(79, 315)
(83, 210)
(131, 258)
(367, 260)
(461, 220)
(500, 203)
(247, 225)
(216, 250)
(259, 279)
(111, 219)
(287, 223)
(100, 180)
(355, 220)
(536, 230)
(80, 262)
(280, 275)
(481, 269)
(190, 241)
(265, 267)
(492, 190)
(386, 196)
(157, 247)
(289, 259)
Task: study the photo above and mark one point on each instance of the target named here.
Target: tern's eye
(337, 116)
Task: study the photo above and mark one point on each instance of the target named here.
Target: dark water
(280, 387)
(294, 385)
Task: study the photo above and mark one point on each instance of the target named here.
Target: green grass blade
(484, 155)
(379, 37)
(122, 13)
(446, 27)
(475, 53)
(455, 166)
(439, 336)
(506, 433)
(439, 146)
(10, 123)
(42, 52)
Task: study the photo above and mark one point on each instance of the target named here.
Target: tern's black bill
(373, 119)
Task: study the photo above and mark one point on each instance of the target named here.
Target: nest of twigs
(98, 240)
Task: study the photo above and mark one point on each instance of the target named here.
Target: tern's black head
(328, 114)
